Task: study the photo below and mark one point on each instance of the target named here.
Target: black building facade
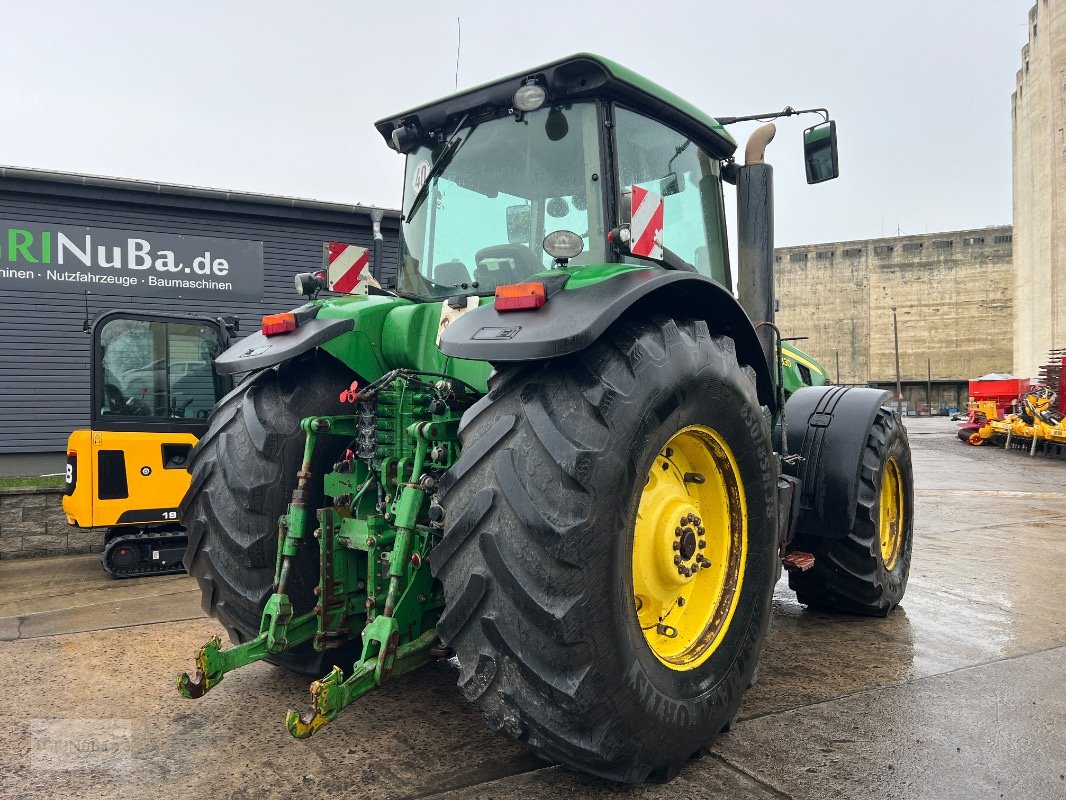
(74, 242)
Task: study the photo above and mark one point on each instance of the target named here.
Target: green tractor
(557, 450)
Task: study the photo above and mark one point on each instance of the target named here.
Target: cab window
(663, 161)
(157, 369)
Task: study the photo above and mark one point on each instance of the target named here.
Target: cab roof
(575, 77)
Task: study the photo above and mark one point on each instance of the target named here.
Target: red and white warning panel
(646, 225)
(347, 268)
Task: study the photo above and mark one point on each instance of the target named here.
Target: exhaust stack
(755, 236)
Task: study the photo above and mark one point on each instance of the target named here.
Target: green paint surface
(395, 333)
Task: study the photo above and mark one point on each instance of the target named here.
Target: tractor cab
(571, 175)
(536, 171)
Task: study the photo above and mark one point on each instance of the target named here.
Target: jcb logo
(72, 473)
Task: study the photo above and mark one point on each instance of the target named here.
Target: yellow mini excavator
(152, 387)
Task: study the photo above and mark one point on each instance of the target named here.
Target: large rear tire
(561, 519)
(866, 571)
(243, 474)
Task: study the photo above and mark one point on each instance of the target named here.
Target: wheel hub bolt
(687, 544)
(689, 535)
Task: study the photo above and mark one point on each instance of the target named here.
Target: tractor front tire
(589, 489)
(866, 571)
(243, 473)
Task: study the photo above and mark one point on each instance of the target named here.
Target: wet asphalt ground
(960, 693)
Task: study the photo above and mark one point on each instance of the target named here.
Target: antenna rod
(458, 45)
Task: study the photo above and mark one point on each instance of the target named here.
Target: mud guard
(828, 427)
(573, 319)
(257, 351)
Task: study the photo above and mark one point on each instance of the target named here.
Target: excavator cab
(152, 388)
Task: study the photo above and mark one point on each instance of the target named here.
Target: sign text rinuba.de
(111, 261)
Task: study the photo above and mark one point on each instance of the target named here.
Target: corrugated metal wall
(44, 367)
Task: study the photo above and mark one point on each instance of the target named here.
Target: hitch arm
(278, 632)
(332, 693)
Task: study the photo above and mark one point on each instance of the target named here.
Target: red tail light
(273, 324)
(519, 297)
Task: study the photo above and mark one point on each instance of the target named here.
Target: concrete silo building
(1038, 119)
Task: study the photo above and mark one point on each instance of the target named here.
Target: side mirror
(519, 222)
(820, 152)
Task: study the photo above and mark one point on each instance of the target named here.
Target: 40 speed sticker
(418, 177)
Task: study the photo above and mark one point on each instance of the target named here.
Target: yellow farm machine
(1039, 426)
(1038, 423)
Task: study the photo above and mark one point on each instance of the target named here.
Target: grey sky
(280, 97)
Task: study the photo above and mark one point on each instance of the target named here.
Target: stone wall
(952, 293)
(32, 523)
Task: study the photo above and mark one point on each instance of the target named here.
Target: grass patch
(47, 482)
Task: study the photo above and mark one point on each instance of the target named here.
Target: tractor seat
(451, 273)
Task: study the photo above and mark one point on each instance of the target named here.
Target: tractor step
(798, 560)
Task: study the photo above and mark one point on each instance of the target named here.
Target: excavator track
(135, 555)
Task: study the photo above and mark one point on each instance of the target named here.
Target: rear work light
(519, 297)
(273, 324)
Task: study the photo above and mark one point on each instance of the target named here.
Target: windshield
(507, 184)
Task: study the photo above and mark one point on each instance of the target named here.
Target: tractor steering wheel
(519, 254)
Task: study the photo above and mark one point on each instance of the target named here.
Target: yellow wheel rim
(892, 508)
(689, 547)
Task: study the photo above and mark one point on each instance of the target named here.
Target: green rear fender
(387, 333)
(574, 318)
